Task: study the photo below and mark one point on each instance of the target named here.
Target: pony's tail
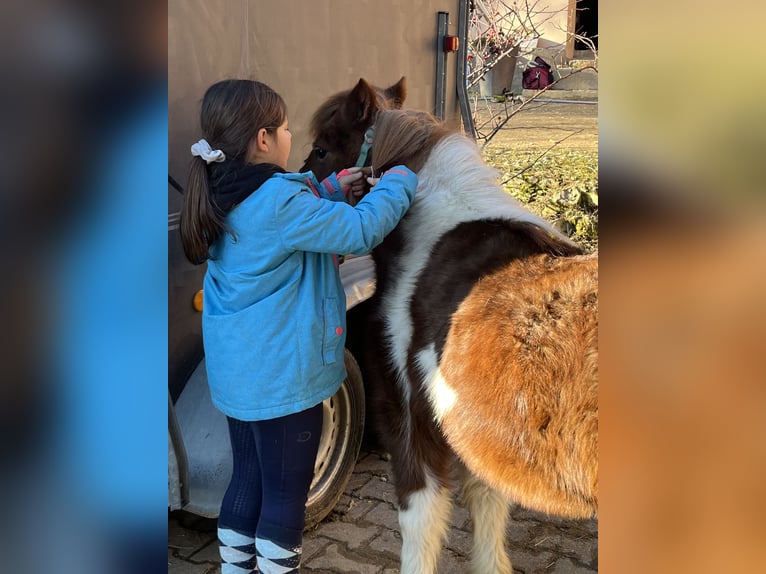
(201, 221)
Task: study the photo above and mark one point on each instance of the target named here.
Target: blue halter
(366, 145)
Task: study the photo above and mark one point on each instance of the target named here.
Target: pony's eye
(320, 152)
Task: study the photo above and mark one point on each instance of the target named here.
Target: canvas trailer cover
(306, 51)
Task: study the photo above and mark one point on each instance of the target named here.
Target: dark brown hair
(232, 113)
(405, 137)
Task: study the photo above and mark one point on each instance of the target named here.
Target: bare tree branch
(498, 28)
(526, 102)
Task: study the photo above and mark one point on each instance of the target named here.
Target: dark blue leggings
(273, 469)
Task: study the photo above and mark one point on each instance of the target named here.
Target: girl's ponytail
(231, 114)
(201, 222)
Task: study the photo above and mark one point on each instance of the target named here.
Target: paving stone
(375, 464)
(344, 502)
(460, 542)
(521, 531)
(566, 566)
(450, 563)
(186, 541)
(331, 560)
(532, 563)
(208, 553)
(313, 545)
(358, 480)
(388, 542)
(177, 565)
(590, 525)
(353, 537)
(459, 517)
(379, 490)
(359, 508)
(581, 549)
(384, 515)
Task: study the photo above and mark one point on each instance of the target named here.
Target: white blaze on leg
(424, 528)
(489, 512)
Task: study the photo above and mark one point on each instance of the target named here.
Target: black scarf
(231, 182)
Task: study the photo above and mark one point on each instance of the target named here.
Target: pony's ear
(397, 93)
(362, 103)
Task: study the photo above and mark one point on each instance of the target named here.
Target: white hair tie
(203, 150)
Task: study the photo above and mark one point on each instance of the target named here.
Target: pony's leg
(424, 525)
(489, 510)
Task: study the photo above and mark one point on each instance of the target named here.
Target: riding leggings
(273, 469)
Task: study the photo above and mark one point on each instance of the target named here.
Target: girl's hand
(354, 181)
(351, 179)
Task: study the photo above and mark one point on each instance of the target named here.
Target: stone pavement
(361, 536)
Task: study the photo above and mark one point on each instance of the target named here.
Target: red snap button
(338, 330)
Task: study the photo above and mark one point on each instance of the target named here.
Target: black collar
(231, 182)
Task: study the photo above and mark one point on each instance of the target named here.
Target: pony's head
(340, 125)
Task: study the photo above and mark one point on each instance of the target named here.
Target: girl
(274, 313)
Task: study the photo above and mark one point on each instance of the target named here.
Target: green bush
(562, 186)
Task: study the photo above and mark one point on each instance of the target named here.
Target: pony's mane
(405, 137)
(454, 183)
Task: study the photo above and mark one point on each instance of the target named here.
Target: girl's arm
(308, 223)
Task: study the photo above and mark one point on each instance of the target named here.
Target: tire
(342, 432)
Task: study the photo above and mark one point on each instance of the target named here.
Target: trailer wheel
(342, 433)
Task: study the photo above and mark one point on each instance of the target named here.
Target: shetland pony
(480, 351)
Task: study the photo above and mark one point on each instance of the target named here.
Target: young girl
(274, 313)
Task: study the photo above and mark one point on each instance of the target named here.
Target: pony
(479, 351)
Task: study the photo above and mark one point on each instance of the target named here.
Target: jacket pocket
(333, 330)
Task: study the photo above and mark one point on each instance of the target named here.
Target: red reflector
(451, 43)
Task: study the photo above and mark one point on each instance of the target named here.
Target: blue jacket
(274, 313)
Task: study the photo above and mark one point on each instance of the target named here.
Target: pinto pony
(480, 353)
